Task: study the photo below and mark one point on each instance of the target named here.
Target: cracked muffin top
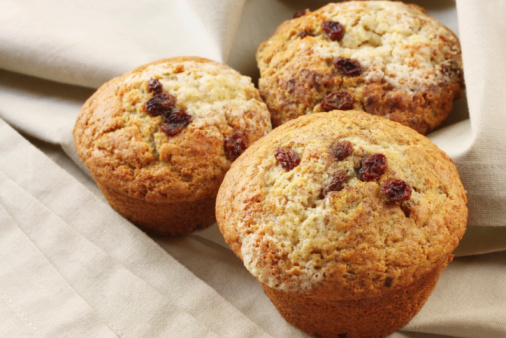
(169, 130)
(385, 58)
(342, 201)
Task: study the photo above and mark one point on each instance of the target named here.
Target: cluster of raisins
(341, 150)
(163, 104)
(371, 168)
(341, 100)
(175, 119)
(335, 31)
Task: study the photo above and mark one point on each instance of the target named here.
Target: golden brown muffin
(346, 219)
(385, 58)
(159, 139)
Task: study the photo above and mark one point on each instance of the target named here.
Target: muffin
(346, 219)
(159, 139)
(385, 58)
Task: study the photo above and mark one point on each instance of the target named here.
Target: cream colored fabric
(72, 267)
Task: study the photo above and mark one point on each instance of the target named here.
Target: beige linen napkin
(88, 42)
(73, 267)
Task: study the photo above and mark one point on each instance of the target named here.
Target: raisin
(302, 34)
(287, 158)
(343, 335)
(372, 167)
(333, 29)
(397, 190)
(154, 86)
(342, 150)
(176, 122)
(341, 100)
(160, 104)
(336, 183)
(347, 67)
(388, 282)
(235, 144)
(300, 13)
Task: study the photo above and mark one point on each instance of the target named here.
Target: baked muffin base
(365, 317)
(172, 219)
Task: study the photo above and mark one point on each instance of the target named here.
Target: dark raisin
(347, 67)
(342, 150)
(341, 100)
(154, 86)
(372, 167)
(179, 116)
(300, 13)
(160, 104)
(235, 144)
(333, 29)
(302, 34)
(343, 335)
(176, 122)
(287, 158)
(170, 130)
(388, 282)
(397, 190)
(336, 183)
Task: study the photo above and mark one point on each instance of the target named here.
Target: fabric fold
(482, 165)
(91, 42)
(31, 300)
(111, 265)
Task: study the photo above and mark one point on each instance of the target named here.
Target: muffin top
(169, 130)
(386, 58)
(342, 201)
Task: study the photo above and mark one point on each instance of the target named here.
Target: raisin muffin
(385, 58)
(159, 139)
(345, 218)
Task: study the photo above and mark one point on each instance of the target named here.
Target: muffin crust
(354, 242)
(410, 64)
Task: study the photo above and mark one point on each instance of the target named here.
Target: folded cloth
(72, 266)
